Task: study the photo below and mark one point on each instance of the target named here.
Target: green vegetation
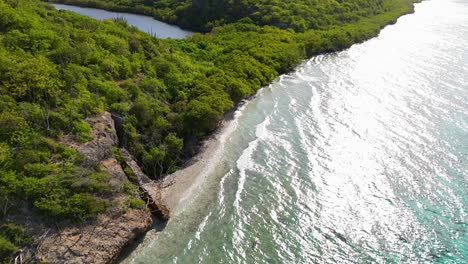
(136, 203)
(58, 68)
(300, 15)
(12, 237)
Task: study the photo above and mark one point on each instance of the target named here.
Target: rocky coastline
(102, 239)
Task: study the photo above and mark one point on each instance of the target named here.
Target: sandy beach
(180, 185)
(183, 184)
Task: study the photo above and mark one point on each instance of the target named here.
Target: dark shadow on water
(158, 225)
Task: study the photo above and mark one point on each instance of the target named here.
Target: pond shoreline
(148, 24)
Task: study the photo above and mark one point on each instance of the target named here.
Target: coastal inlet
(144, 23)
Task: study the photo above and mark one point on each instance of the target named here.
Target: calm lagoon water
(356, 157)
(143, 23)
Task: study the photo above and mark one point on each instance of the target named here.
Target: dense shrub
(12, 237)
(136, 203)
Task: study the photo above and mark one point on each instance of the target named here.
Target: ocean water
(355, 157)
(143, 23)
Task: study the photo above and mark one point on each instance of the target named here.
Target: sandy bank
(185, 183)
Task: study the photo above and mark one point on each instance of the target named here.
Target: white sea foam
(355, 157)
(245, 161)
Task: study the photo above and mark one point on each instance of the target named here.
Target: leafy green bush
(16, 234)
(136, 203)
(80, 206)
(130, 175)
(6, 249)
(130, 188)
(82, 129)
(12, 237)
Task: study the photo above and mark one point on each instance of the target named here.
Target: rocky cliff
(102, 240)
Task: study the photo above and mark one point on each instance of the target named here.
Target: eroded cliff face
(151, 190)
(98, 242)
(102, 240)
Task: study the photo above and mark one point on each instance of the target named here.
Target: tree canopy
(299, 15)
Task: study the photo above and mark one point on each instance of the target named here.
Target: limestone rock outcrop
(101, 240)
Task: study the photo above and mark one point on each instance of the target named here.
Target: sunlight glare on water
(356, 157)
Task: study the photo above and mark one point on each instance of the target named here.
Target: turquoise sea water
(355, 157)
